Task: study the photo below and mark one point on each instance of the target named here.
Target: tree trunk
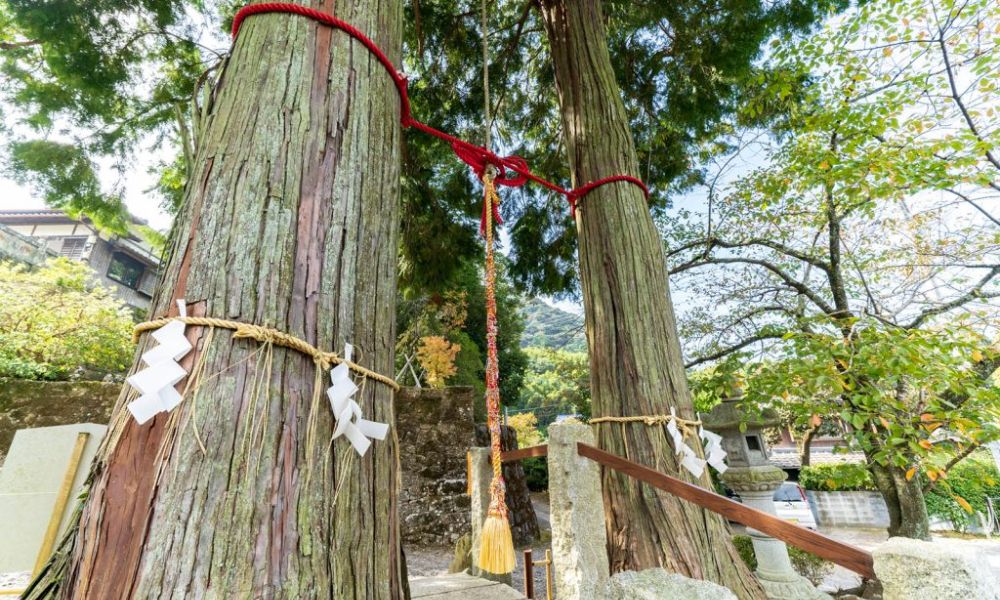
(289, 221)
(635, 358)
(805, 447)
(905, 501)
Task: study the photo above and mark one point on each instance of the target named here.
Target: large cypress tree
(635, 359)
(289, 220)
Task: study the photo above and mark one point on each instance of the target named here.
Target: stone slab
(30, 481)
(658, 584)
(460, 586)
(939, 570)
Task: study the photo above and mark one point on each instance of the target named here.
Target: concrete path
(459, 586)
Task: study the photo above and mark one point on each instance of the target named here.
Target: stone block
(30, 485)
(940, 570)
(658, 584)
(579, 540)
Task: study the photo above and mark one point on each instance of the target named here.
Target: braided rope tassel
(496, 553)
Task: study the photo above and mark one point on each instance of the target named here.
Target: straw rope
(651, 420)
(271, 336)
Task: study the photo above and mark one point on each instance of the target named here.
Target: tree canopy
(118, 76)
(854, 274)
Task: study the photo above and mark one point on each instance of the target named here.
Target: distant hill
(549, 327)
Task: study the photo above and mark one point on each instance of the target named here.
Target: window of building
(125, 270)
(72, 247)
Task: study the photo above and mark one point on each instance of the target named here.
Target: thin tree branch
(972, 203)
(734, 348)
(975, 293)
(787, 279)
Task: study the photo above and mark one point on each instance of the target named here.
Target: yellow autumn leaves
(437, 357)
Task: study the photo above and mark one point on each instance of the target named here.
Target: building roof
(50, 213)
(790, 460)
(33, 214)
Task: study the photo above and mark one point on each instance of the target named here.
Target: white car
(791, 504)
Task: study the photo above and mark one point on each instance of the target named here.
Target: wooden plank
(845, 555)
(522, 453)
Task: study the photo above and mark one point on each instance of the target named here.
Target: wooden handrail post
(529, 575)
(835, 551)
(548, 574)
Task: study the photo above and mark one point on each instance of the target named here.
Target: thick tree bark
(635, 358)
(290, 221)
(905, 500)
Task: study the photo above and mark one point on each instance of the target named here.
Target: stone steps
(460, 586)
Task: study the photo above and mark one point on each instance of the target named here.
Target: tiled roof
(39, 212)
(790, 460)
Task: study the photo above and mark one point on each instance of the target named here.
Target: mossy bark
(290, 221)
(635, 358)
(905, 500)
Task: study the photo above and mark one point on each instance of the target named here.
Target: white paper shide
(350, 423)
(156, 382)
(714, 454)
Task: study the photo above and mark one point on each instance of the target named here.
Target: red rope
(512, 171)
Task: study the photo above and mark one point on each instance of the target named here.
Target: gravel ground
(434, 560)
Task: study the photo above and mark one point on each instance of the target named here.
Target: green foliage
(526, 426)
(681, 66)
(814, 372)
(744, 545)
(549, 327)
(95, 80)
(459, 314)
(56, 324)
(536, 473)
(837, 477)
(557, 382)
(810, 566)
(846, 274)
(970, 483)
(67, 180)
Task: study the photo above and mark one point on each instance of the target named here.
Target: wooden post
(62, 499)
(529, 575)
(548, 574)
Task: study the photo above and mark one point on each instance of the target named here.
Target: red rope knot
(575, 195)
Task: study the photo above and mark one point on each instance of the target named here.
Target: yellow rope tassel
(496, 548)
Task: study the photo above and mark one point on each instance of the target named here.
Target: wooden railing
(529, 452)
(845, 555)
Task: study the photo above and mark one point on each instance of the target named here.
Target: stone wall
(848, 509)
(435, 429)
(31, 404)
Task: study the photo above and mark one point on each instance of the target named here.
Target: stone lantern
(755, 480)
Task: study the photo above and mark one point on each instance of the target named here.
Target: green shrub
(970, 481)
(810, 566)
(744, 545)
(840, 477)
(536, 473)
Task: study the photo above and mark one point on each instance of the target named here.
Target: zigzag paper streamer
(714, 453)
(156, 382)
(690, 461)
(347, 412)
